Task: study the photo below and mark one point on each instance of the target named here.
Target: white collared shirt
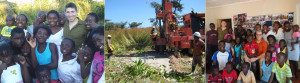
(69, 71)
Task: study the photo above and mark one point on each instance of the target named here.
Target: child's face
(10, 21)
(281, 44)
(66, 47)
(26, 49)
(99, 41)
(268, 56)
(41, 17)
(271, 40)
(87, 54)
(245, 68)
(18, 39)
(250, 38)
(215, 71)
(228, 67)
(280, 58)
(228, 38)
(248, 32)
(21, 21)
(275, 26)
(287, 26)
(212, 27)
(222, 47)
(89, 21)
(237, 40)
(272, 48)
(62, 19)
(42, 35)
(265, 29)
(44, 76)
(6, 57)
(52, 19)
(257, 27)
(229, 30)
(295, 28)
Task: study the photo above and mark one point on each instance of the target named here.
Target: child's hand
(32, 42)
(21, 59)
(80, 54)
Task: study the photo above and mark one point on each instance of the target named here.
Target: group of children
(240, 58)
(26, 55)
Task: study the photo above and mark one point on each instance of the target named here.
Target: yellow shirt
(6, 30)
(249, 78)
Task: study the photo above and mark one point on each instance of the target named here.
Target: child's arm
(32, 43)
(84, 71)
(54, 56)
(288, 79)
(24, 70)
(271, 77)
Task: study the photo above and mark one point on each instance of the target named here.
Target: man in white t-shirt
(222, 56)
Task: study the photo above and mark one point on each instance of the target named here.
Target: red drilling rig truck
(177, 38)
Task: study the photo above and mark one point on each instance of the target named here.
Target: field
(135, 61)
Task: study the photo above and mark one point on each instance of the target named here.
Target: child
(62, 19)
(85, 56)
(282, 71)
(251, 54)
(272, 43)
(97, 69)
(229, 74)
(296, 37)
(21, 22)
(68, 69)
(246, 76)
(26, 52)
(43, 74)
(229, 33)
(10, 69)
(282, 48)
(222, 56)
(228, 43)
(232, 48)
(215, 77)
(6, 30)
(242, 57)
(266, 67)
(237, 51)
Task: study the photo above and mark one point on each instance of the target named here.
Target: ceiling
(214, 3)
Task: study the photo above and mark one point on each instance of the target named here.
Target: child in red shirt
(229, 75)
(215, 77)
(251, 50)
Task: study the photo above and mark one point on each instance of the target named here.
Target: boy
(246, 76)
(229, 74)
(215, 77)
(251, 50)
(212, 43)
(281, 70)
(6, 30)
(43, 74)
(222, 56)
(266, 67)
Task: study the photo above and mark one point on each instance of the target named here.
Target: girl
(42, 52)
(237, 51)
(21, 22)
(228, 43)
(229, 33)
(68, 68)
(10, 69)
(282, 48)
(85, 56)
(62, 19)
(272, 43)
(91, 22)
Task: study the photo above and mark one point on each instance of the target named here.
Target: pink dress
(98, 67)
(295, 35)
(274, 53)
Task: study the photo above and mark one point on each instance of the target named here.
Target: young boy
(246, 76)
(212, 43)
(229, 74)
(266, 67)
(43, 74)
(68, 68)
(251, 49)
(281, 70)
(6, 30)
(222, 56)
(215, 77)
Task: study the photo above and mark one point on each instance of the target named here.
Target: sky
(141, 10)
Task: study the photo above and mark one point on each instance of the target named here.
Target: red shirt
(197, 48)
(229, 77)
(216, 79)
(251, 48)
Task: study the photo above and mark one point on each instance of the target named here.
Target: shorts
(197, 60)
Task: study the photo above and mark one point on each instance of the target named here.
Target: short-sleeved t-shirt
(212, 37)
(282, 73)
(216, 79)
(222, 58)
(266, 70)
(7, 30)
(249, 78)
(229, 77)
(250, 48)
(262, 47)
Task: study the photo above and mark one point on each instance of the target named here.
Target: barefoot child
(266, 67)
(10, 69)
(68, 68)
(215, 77)
(282, 71)
(6, 30)
(229, 74)
(246, 76)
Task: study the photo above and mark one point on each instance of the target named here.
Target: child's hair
(42, 27)
(10, 16)
(269, 52)
(286, 22)
(222, 41)
(265, 25)
(72, 41)
(278, 23)
(229, 63)
(17, 30)
(53, 11)
(272, 36)
(95, 15)
(41, 68)
(247, 64)
(211, 24)
(24, 16)
(71, 5)
(282, 40)
(258, 25)
(5, 47)
(281, 55)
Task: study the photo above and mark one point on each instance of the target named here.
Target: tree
(177, 6)
(120, 25)
(134, 24)
(109, 26)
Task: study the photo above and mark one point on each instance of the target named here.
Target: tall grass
(125, 40)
